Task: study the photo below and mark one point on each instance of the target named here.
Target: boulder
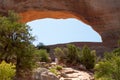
(37, 73)
(48, 76)
(43, 74)
(82, 67)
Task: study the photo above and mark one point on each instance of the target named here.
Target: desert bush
(59, 53)
(109, 67)
(7, 71)
(70, 54)
(42, 55)
(58, 67)
(88, 57)
(73, 55)
(54, 71)
(116, 52)
(118, 43)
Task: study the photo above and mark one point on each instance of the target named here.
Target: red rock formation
(102, 15)
(31, 15)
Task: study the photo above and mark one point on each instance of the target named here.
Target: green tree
(42, 46)
(15, 41)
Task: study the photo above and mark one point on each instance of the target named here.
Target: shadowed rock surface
(102, 15)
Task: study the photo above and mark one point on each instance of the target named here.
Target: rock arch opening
(31, 15)
(52, 31)
(102, 20)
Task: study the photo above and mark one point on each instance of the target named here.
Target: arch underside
(35, 14)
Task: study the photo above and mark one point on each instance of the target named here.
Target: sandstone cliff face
(102, 15)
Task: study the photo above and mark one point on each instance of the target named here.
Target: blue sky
(55, 31)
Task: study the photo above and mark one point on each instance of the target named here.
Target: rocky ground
(67, 73)
(72, 74)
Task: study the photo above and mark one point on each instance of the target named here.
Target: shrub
(42, 55)
(54, 71)
(88, 57)
(109, 67)
(7, 71)
(70, 54)
(58, 67)
(73, 55)
(118, 43)
(59, 53)
(116, 52)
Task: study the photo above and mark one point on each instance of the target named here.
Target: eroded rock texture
(102, 15)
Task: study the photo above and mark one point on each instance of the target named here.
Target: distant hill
(98, 46)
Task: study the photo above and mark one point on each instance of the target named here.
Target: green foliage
(54, 71)
(42, 55)
(58, 67)
(59, 53)
(42, 46)
(118, 43)
(109, 55)
(70, 54)
(73, 53)
(7, 71)
(26, 60)
(15, 42)
(109, 68)
(116, 52)
(88, 57)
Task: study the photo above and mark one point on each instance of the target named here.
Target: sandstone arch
(35, 14)
(102, 15)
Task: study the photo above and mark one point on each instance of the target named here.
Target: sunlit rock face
(102, 15)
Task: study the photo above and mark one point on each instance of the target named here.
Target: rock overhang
(102, 15)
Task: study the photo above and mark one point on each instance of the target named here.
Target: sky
(51, 31)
